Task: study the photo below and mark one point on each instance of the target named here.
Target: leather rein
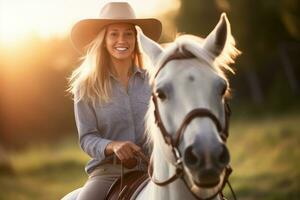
(174, 142)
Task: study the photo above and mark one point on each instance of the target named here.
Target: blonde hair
(90, 81)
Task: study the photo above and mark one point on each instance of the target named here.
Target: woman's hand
(124, 150)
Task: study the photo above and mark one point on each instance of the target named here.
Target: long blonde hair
(90, 81)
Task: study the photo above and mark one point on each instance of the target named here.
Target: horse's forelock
(189, 46)
(195, 44)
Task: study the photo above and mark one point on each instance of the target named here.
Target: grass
(44, 172)
(264, 152)
(265, 158)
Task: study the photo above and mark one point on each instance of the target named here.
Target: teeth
(121, 48)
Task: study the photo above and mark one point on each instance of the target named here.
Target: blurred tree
(260, 27)
(5, 163)
(34, 91)
(290, 15)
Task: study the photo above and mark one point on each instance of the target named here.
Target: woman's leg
(100, 181)
(96, 187)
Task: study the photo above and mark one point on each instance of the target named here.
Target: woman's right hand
(124, 150)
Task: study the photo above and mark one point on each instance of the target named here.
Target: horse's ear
(216, 40)
(150, 47)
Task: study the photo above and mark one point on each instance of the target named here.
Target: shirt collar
(136, 70)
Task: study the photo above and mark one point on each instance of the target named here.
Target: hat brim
(84, 31)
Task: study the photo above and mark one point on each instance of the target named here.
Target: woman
(111, 93)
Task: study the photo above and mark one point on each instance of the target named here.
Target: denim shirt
(122, 118)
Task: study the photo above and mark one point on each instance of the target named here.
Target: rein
(174, 143)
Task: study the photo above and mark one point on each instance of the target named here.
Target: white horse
(189, 127)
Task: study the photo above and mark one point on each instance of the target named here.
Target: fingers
(123, 153)
(135, 147)
(125, 150)
(138, 151)
(142, 156)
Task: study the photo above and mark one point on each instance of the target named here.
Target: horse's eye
(223, 90)
(161, 94)
(223, 86)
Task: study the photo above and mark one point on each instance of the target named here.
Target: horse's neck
(162, 170)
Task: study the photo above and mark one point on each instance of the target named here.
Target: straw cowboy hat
(84, 31)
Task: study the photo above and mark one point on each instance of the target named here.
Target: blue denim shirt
(122, 118)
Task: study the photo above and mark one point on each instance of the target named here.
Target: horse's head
(189, 94)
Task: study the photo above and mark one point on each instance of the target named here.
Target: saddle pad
(131, 181)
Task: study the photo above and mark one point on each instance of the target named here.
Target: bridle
(174, 142)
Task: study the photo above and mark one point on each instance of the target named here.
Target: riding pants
(99, 182)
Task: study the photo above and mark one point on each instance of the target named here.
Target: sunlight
(20, 19)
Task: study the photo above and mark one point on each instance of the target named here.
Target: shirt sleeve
(90, 139)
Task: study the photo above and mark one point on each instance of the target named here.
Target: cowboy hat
(84, 31)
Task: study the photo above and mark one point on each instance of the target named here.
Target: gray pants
(98, 183)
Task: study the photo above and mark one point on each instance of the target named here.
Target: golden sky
(20, 18)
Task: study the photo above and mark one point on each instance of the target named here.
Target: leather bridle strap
(198, 112)
(178, 174)
(177, 55)
(167, 137)
(228, 171)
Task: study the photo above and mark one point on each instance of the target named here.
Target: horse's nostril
(224, 156)
(189, 156)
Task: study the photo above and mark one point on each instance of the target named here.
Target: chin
(122, 55)
(205, 188)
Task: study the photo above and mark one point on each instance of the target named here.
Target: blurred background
(39, 153)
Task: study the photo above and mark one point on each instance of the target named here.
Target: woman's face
(120, 40)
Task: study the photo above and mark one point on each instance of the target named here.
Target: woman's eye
(161, 94)
(113, 34)
(129, 34)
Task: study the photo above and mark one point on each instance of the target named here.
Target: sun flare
(44, 18)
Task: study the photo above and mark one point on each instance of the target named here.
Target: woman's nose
(121, 38)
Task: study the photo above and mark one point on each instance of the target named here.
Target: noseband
(174, 142)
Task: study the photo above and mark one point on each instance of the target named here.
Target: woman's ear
(152, 49)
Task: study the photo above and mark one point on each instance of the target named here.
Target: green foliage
(45, 171)
(264, 157)
(257, 25)
(33, 94)
(260, 28)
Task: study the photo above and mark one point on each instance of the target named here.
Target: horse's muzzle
(206, 160)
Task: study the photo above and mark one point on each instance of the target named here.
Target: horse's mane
(194, 45)
(190, 46)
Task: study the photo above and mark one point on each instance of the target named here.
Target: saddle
(125, 186)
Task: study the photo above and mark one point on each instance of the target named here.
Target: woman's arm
(90, 139)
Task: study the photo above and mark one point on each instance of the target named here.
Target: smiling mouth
(121, 48)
